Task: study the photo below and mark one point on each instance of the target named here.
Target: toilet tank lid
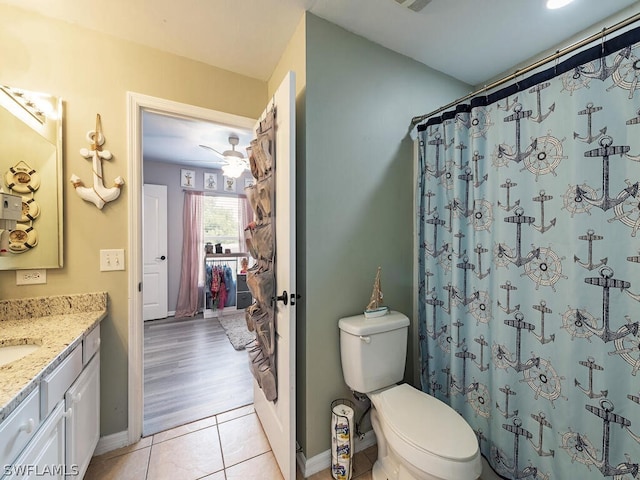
(359, 325)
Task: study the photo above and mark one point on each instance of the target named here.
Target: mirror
(31, 166)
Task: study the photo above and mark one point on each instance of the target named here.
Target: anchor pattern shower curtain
(529, 260)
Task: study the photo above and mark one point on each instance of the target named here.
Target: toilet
(419, 437)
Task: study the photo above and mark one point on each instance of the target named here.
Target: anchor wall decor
(97, 194)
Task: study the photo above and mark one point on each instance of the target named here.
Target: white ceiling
(248, 36)
(177, 140)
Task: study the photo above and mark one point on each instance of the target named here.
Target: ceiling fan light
(233, 170)
(553, 4)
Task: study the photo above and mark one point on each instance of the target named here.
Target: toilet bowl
(419, 437)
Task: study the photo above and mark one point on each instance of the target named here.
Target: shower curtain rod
(533, 66)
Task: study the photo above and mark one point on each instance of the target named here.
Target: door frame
(136, 103)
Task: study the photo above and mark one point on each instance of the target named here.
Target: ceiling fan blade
(213, 150)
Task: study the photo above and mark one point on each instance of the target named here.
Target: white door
(154, 252)
(278, 418)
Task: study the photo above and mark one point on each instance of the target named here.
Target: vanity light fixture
(553, 4)
(30, 105)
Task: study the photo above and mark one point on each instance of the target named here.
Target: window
(222, 221)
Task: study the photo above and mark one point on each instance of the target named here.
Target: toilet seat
(427, 433)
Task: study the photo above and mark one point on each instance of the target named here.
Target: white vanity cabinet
(83, 422)
(59, 422)
(18, 428)
(44, 456)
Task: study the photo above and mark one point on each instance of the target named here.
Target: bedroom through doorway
(196, 366)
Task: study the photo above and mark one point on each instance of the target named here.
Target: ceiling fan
(236, 163)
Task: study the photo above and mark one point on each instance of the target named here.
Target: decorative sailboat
(375, 307)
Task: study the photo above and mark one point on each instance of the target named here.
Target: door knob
(161, 258)
(284, 298)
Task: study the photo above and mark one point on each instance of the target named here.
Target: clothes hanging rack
(226, 256)
(559, 53)
(228, 260)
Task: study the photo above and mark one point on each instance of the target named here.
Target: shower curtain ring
(555, 66)
(602, 39)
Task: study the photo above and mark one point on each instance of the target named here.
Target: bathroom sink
(11, 353)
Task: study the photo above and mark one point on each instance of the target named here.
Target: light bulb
(553, 4)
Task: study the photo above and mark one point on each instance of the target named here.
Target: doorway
(138, 103)
(189, 351)
(277, 418)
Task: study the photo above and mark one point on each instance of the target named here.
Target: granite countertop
(57, 323)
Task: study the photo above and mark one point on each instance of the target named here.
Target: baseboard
(112, 442)
(322, 461)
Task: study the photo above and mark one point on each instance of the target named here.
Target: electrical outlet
(31, 277)
(111, 260)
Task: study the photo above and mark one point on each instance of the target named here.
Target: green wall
(357, 210)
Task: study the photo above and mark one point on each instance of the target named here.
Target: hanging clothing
(230, 284)
(217, 287)
(208, 282)
(222, 292)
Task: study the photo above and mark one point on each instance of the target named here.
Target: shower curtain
(529, 266)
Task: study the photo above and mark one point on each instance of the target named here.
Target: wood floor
(191, 371)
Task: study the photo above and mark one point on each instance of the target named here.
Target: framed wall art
(187, 178)
(229, 184)
(210, 181)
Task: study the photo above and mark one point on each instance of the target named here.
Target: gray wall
(160, 173)
(356, 211)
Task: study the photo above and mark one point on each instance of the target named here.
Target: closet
(224, 285)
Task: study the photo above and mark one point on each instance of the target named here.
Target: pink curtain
(192, 255)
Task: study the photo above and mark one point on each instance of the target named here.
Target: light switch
(111, 260)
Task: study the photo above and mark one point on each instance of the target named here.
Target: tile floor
(228, 446)
(362, 463)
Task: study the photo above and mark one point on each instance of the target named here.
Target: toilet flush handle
(365, 339)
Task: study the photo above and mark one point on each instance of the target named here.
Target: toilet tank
(373, 351)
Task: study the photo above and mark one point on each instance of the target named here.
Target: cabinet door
(19, 428)
(44, 456)
(83, 423)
